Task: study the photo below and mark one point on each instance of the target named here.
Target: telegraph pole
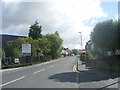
(81, 40)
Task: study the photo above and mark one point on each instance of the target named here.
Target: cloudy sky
(68, 17)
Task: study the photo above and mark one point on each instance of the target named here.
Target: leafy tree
(16, 45)
(56, 45)
(17, 52)
(41, 45)
(35, 47)
(104, 36)
(35, 30)
(2, 53)
(89, 55)
(75, 51)
(50, 44)
(56, 32)
(118, 35)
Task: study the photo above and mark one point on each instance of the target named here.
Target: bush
(89, 55)
(16, 65)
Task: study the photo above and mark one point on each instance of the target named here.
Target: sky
(68, 17)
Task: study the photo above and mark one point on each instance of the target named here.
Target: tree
(104, 36)
(2, 53)
(118, 35)
(56, 45)
(35, 30)
(56, 33)
(75, 51)
(16, 45)
(41, 46)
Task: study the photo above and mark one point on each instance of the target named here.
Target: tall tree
(41, 46)
(56, 45)
(118, 34)
(35, 30)
(2, 53)
(16, 45)
(56, 32)
(75, 51)
(104, 36)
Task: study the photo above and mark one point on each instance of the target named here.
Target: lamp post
(81, 39)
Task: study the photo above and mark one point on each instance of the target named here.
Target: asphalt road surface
(58, 74)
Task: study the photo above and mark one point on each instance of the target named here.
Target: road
(56, 74)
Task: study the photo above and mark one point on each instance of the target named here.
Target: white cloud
(68, 17)
(109, 0)
(75, 13)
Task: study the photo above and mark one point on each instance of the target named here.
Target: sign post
(26, 52)
(26, 49)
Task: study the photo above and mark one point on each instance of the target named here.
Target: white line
(12, 81)
(51, 66)
(38, 71)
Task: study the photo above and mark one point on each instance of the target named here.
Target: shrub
(89, 55)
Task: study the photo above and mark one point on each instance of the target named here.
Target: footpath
(94, 77)
(95, 71)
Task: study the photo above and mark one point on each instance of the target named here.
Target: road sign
(26, 49)
(16, 60)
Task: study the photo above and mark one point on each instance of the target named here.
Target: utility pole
(81, 40)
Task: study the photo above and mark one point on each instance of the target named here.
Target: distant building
(66, 52)
(89, 45)
(4, 39)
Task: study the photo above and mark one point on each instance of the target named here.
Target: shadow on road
(84, 76)
(64, 77)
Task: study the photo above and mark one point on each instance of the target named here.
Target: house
(65, 52)
(89, 46)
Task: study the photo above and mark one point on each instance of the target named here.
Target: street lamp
(81, 39)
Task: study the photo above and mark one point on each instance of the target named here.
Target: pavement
(96, 78)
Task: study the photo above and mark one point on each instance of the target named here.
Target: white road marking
(39, 71)
(51, 66)
(12, 81)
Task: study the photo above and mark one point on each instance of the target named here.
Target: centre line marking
(39, 71)
(12, 81)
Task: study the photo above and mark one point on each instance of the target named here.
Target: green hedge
(16, 65)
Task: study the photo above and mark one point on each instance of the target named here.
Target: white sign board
(17, 60)
(26, 49)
